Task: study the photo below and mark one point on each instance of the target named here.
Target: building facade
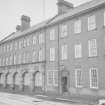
(65, 54)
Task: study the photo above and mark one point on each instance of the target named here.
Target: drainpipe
(59, 72)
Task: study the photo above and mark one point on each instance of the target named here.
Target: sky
(12, 10)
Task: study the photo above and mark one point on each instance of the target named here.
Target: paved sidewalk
(69, 99)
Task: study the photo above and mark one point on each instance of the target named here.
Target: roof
(19, 33)
(77, 10)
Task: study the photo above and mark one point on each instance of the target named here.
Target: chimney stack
(18, 28)
(25, 22)
(64, 6)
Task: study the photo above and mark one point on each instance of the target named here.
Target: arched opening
(7, 79)
(1, 79)
(16, 80)
(38, 82)
(64, 81)
(26, 78)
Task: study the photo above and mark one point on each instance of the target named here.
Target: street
(15, 99)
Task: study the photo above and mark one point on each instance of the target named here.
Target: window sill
(92, 30)
(92, 57)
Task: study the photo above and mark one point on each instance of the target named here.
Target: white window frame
(64, 52)
(104, 18)
(41, 38)
(41, 55)
(64, 30)
(52, 77)
(52, 54)
(52, 34)
(55, 73)
(92, 47)
(76, 81)
(91, 22)
(34, 39)
(78, 50)
(77, 26)
(49, 83)
(93, 87)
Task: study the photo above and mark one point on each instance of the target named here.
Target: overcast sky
(11, 11)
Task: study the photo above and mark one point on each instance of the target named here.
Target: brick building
(65, 54)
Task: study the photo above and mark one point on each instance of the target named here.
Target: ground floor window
(78, 77)
(93, 78)
(52, 78)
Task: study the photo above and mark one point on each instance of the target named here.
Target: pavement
(16, 99)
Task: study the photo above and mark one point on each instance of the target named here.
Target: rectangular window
(19, 59)
(28, 41)
(92, 47)
(104, 18)
(77, 26)
(34, 39)
(41, 55)
(91, 22)
(15, 45)
(20, 44)
(52, 34)
(64, 52)
(52, 54)
(52, 78)
(49, 78)
(41, 38)
(34, 56)
(64, 30)
(14, 59)
(78, 51)
(78, 77)
(93, 78)
(11, 46)
(55, 78)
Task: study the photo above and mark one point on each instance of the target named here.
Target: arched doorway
(38, 82)
(7, 79)
(26, 80)
(64, 81)
(1, 79)
(16, 80)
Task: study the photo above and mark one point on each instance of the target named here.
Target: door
(64, 84)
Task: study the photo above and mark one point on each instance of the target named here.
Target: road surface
(15, 99)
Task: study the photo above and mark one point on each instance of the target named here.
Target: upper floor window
(64, 52)
(78, 50)
(77, 26)
(28, 41)
(52, 34)
(34, 39)
(20, 44)
(92, 47)
(93, 78)
(14, 59)
(104, 18)
(52, 54)
(41, 54)
(15, 45)
(64, 30)
(7, 47)
(91, 22)
(11, 46)
(41, 38)
(78, 77)
(34, 56)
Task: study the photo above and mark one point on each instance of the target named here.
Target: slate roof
(70, 14)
